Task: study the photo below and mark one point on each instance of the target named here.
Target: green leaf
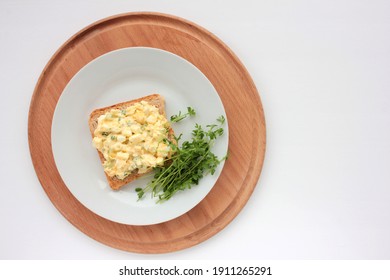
(179, 117)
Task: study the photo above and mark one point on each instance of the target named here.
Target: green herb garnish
(189, 163)
(180, 116)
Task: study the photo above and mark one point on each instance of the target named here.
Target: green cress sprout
(179, 117)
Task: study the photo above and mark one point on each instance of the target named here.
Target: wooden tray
(232, 82)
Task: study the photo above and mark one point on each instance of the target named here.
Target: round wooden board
(232, 82)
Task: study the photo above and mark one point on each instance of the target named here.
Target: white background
(322, 70)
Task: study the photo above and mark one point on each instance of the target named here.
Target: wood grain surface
(238, 93)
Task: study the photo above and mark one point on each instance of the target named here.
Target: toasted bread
(155, 100)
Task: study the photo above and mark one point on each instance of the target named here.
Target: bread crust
(153, 99)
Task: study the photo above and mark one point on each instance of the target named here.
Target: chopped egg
(132, 139)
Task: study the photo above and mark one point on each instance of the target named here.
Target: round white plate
(119, 76)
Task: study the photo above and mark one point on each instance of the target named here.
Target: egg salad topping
(132, 139)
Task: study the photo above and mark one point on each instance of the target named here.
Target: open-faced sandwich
(131, 138)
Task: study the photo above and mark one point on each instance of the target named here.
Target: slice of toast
(155, 100)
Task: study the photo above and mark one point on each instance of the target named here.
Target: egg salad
(132, 139)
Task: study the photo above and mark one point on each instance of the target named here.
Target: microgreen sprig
(180, 116)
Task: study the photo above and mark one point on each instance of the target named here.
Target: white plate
(119, 76)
